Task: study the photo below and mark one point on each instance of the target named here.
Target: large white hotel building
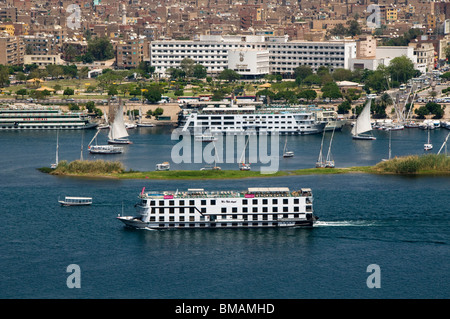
(251, 55)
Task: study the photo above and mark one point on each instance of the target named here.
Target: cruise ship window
(224, 210)
(296, 209)
(203, 202)
(171, 202)
(255, 209)
(264, 209)
(265, 201)
(274, 201)
(161, 210)
(285, 209)
(152, 203)
(275, 209)
(234, 210)
(181, 202)
(255, 202)
(296, 200)
(161, 203)
(203, 210)
(171, 210)
(245, 209)
(285, 201)
(191, 202)
(181, 210)
(213, 202)
(191, 210)
(244, 202)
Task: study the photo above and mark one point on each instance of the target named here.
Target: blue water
(402, 224)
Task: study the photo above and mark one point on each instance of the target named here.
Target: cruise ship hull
(137, 223)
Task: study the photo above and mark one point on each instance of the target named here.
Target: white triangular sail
(117, 125)
(362, 124)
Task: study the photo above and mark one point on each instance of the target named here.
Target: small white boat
(212, 168)
(245, 167)
(145, 125)
(76, 201)
(163, 166)
(130, 126)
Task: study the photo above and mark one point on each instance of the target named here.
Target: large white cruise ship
(42, 118)
(196, 208)
(237, 119)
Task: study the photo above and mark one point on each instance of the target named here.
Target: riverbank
(430, 164)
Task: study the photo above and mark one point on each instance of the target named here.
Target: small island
(429, 164)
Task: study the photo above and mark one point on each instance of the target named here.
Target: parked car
(134, 99)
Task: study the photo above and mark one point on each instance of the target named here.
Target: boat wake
(344, 223)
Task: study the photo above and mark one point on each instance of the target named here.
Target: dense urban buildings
(252, 37)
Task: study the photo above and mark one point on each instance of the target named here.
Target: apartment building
(213, 52)
(41, 44)
(130, 51)
(11, 50)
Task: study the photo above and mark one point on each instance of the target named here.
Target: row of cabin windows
(216, 224)
(231, 217)
(191, 210)
(212, 202)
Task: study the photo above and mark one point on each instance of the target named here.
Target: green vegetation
(98, 167)
(414, 164)
(430, 164)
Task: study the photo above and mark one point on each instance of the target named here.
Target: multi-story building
(43, 60)
(11, 50)
(130, 51)
(213, 52)
(41, 44)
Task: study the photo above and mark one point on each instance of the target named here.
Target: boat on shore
(196, 208)
(75, 201)
(163, 166)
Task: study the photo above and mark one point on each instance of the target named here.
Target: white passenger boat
(76, 201)
(242, 119)
(18, 117)
(197, 208)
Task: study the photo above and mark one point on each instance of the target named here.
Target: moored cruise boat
(197, 208)
(42, 118)
(241, 119)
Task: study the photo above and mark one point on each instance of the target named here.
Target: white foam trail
(344, 223)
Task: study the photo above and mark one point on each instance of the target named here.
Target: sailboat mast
(57, 146)
(390, 133)
(329, 147)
